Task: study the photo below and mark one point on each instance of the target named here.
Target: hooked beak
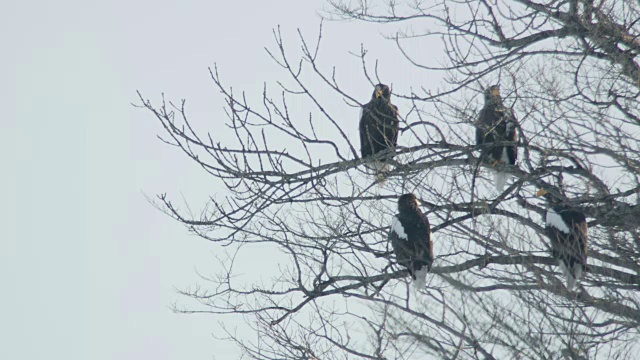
(378, 93)
(418, 203)
(542, 192)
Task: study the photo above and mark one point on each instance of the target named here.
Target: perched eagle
(497, 124)
(379, 130)
(410, 237)
(568, 231)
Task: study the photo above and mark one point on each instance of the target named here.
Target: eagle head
(408, 202)
(382, 90)
(492, 94)
(552, 199)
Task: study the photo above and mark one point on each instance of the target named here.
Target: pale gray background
(87, 266)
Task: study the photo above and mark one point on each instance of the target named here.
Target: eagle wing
(570, 237)
(378, 128)
(486, 126)
(427, 242)
(392, 132)
(558, 233)
(370, 132)
(363, 129)
(511, 134)
(400, 242)
(481, 127)
(581, 230)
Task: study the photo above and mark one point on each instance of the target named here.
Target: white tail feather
(571, 282)
(381, 171)
(573, 275)
(500, 179)
(563, 268)
(421, 278)
(577, 270)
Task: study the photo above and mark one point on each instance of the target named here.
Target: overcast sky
(88, 267)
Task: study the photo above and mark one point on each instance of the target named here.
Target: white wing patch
(396, 227)
(554, 220)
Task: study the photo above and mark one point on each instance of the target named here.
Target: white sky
(87, 266)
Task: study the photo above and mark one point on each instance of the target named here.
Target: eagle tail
(571, 281)
(500, 179)
(573, 273)
(420, 281)
(381, 171)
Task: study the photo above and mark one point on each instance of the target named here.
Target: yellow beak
(378, 93)
(542, 192)
(418, 202)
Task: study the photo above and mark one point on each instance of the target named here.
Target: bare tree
(569, 70)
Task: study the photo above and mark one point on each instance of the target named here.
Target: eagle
(495, 127)
(568, 231)
(379, 131)
(410, 237)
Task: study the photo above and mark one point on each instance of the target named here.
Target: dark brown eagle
(496, 134)
(410, 237)
(568, 231)
(379, 131)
